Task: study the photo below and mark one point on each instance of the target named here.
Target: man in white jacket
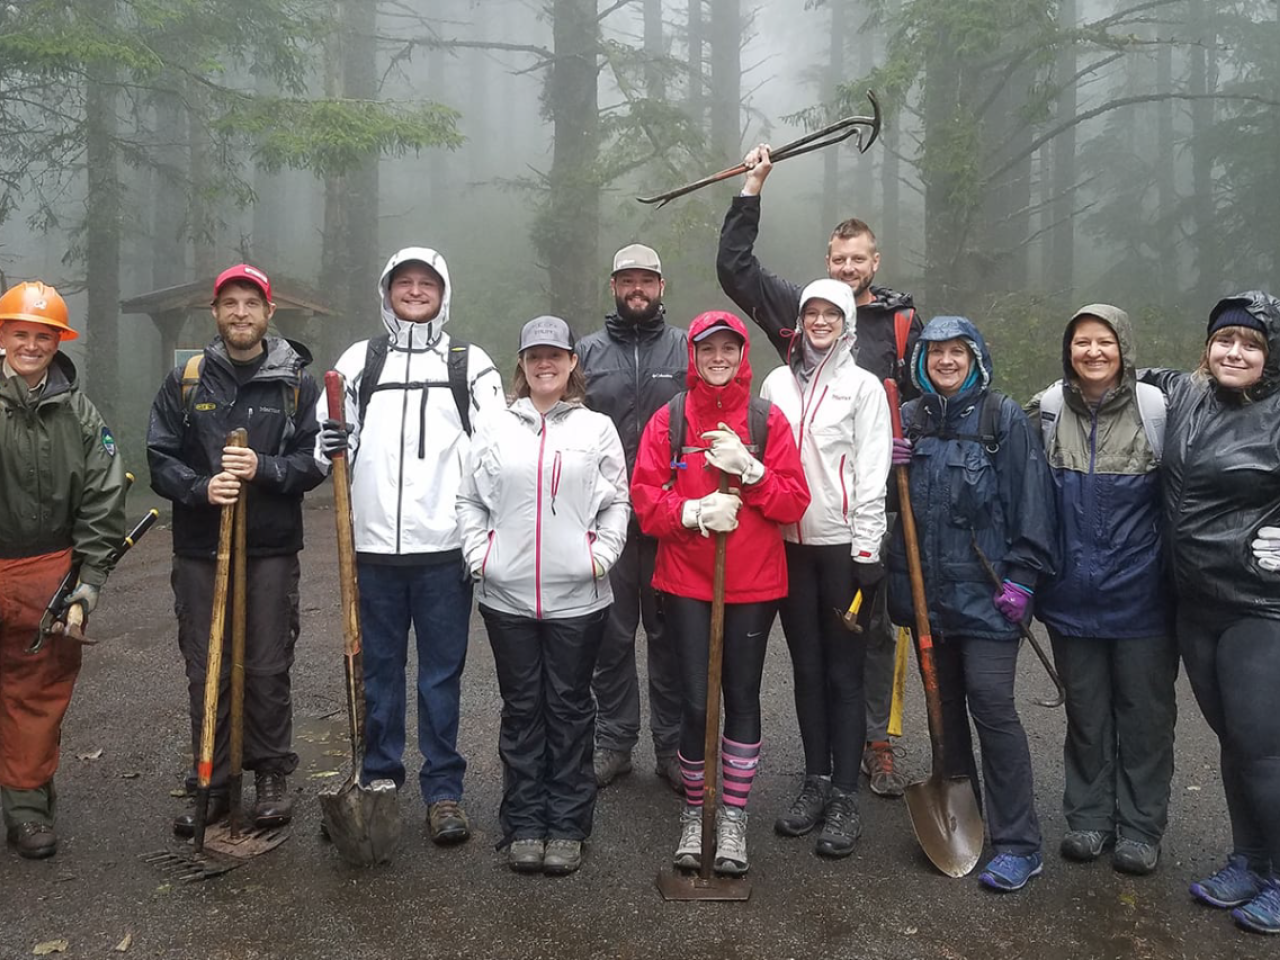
(411, 396)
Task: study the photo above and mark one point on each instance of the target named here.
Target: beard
(638, 314)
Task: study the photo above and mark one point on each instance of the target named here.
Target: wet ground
(301, 901)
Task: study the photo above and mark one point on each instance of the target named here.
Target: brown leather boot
(34, 841)
(273, 806)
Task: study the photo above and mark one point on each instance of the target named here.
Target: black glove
(333, 437)
(867, 575)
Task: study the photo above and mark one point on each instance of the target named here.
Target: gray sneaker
(562, 857)
(731, 841)
(525, 856)
(689, 850)
(1135, 857)
(610, 764)
(1084, 846)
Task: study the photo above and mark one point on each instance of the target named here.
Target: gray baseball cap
(546, 331)
(636, 256)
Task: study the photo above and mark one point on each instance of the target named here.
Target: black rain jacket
(774, 303)
(185, 441)
(1222, 476)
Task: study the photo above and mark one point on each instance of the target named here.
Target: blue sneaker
(1232, 886)
(1009, 872)
(1262, 913)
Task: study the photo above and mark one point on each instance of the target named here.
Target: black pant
(1233, 663)
(548, 723)
(827, 660)
(976, 678)
(1121, 711)
(270, 636)
(746, 638)
(615, 685)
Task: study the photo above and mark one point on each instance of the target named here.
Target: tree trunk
(168, 236)
(1204, 209)
(654, 51)
(726, 78)
(890, 226)
(102, 233)
(1164, 236)
(831, 199)
(694, 33)
(943, 211)
(567, 232)
(1061, 240)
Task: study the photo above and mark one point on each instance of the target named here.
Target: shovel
(704, 886)
(362, 821)
(944, 811)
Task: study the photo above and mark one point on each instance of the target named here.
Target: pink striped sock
(692, 772)
(738, 768)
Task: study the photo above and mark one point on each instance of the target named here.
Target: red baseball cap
(245, 273)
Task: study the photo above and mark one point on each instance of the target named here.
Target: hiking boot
(447, 823)
(1135, 857)
(33, 841)
(1262, 913)
(562, 857)
(1084, 846)
(1009, 872)
(805, 811)
(668, 769)
(841, 825)
(878, 765)
(1232, 886)
(689, 849)
(219, 806)
(610, 764)
(525, 856)
(731, 841)
(272, 805)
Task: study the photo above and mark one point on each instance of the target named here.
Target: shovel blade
(947, 823)
(363, 822)
(683, 887)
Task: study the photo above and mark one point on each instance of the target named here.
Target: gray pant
(1121, 711)
(615, 683)
(272, 631)
(882, 646)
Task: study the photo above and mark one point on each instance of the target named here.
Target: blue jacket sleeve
(1026, 493)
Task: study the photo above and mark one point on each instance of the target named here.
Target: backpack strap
(459, 353)
(757, 428)
(1050, 412)
(675, 435)
(375, 358)
(902, 331)
(191, 371)
(988, 424)
(1153, 408)
(191, 379)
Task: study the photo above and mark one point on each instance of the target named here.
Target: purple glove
(1012, 601)
(901, 451)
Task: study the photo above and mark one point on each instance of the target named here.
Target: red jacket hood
(733, 395)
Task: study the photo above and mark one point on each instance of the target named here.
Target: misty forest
(1036, 155)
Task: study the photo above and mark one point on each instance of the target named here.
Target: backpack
(375, 358)
(901, 332)
(988, 424)
(191, 371)
(757, 426)
(1151, 407)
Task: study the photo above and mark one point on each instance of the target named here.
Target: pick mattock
(213, 659)
(703, 886)
(944, 811)
(362, 821)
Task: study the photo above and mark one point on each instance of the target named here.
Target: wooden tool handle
(915, 568)
(335, 392)
(711, 732)
(335, 389)
(239, 624)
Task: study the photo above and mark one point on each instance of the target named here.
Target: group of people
(1135, 512)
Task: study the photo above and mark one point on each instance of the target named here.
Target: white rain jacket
(406, 458)
(840, 421)
(543, 499)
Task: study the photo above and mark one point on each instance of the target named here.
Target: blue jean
(436, 598)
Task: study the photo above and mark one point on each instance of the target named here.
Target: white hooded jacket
(840, 421)
(543, 500)
(407, 455)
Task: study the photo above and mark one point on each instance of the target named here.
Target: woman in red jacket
(676, 499)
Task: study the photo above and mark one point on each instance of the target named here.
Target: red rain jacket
(755, 565)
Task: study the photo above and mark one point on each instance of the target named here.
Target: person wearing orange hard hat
(62, 487)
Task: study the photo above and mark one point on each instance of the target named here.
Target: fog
(1035, 156)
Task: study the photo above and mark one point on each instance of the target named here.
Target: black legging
(827, 660)
(746, 637)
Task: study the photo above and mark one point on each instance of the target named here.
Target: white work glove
(715, 511)
(729, 454)
(598, 569)
(84, 594)
(1266, 549)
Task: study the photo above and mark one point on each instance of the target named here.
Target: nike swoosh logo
(752, 636)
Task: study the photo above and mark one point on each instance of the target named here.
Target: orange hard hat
(36, 302)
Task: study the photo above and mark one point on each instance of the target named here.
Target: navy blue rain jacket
(959, 488)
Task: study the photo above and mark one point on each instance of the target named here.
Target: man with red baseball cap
(61, 506)
(248, 379)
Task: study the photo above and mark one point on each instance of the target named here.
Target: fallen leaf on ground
(1128, 899)
(92, 755)
(51, 946)
(322, 775)
(124, 944)
(1193, 788)
(178, 792)
(131, 775)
